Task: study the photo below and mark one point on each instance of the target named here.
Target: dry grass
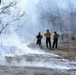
(67, 52)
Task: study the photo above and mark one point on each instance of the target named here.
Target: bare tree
(52, 15)
(72, 18)
(5, 11)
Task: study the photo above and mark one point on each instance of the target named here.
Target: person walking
(48, 36)
(55, 39)
(39, 37)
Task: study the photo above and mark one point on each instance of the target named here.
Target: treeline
(61, 18)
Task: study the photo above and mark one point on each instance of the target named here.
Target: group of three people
(48, 38)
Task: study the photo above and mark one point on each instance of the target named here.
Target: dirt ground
(6, 70)
(67, 52)
(64, 51)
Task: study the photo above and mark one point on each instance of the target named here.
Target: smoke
(32, 22)
(38, 17)
(43, 15)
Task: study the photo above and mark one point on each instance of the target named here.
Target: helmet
(55, 32)
(39, 33)
(47, 30)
